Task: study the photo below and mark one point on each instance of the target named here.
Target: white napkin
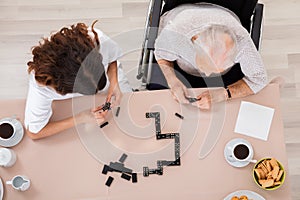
(254, 120)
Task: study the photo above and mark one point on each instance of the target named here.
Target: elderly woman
(209, 47)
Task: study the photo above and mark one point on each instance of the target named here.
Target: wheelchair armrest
(257, 24)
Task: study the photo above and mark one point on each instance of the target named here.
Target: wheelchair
(250, 13)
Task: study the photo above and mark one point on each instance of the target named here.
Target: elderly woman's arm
(177, 88)
(237, 90)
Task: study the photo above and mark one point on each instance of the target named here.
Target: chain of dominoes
(159, 136)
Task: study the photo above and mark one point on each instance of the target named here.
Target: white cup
(241, 152)
(19, 182)
(7, 157)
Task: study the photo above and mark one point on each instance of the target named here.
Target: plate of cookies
(244, 195)
(268, 174)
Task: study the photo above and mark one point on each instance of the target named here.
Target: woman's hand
(85, 117)
(210, 96)
(178, 90)
(94, 116)
(99, 115)
(114, 91)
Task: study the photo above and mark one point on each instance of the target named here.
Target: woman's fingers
(204, 104)
(117, 100)
(204, 101)
(99, 115)
(179, 94)
(99, 108)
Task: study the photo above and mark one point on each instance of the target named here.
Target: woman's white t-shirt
(39, 98)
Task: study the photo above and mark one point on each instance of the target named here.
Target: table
(63, 167)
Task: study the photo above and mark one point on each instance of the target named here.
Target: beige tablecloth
(65, 167)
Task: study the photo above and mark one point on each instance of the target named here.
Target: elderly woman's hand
(210, 96)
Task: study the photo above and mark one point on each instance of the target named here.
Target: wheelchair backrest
(242, 8)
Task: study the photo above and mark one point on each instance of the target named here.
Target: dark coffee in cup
(241, 151)
(6, 131)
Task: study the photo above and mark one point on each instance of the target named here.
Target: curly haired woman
(75, 61)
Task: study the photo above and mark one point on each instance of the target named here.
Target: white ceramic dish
(17, 137)
(227, 152)
(248, 193)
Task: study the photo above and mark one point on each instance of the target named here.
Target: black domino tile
(118, 111)
(157, 123)
(109, 181)
(159, 171)
(123, 158)
(104, 124)
(161, 136)
(180, 116)
(119, 167)
(192, 100)
(126, 176)
(105, 169)
(160, 163)
(166, 163)
(106, 106)
(134, 177)
(145, 171)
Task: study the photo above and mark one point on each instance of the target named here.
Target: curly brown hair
(69, 61)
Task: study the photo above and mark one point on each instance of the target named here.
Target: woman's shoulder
(40, 91)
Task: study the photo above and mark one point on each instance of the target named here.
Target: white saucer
(17, 137)
(248, 193)
(1, 189)
(227, 152)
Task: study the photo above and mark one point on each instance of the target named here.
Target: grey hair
(210, 42)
